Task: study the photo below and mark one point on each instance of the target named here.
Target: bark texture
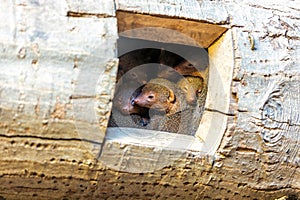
(58, 66)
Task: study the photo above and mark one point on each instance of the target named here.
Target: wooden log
(52, 140)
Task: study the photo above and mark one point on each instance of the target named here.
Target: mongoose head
(123, 98)
(185, 68)
(155, 96)
(191, 86)
(124, 105)
(168, 73)
(134, 74)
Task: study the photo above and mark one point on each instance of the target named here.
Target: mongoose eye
(150, 96)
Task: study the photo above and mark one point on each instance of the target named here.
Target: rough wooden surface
(49, 51)
(201, 34)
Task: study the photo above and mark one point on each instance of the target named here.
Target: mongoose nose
(192, 101)
(133, 102)
(136, 101)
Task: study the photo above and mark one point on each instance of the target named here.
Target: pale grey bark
(58, 63)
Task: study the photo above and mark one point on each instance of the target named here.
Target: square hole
(166, 73)
(153, 45)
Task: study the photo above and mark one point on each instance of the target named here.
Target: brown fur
(191, 86)
(185, 121)
(133, 74)
(185, 68)
(179, 122)
(161, 95)
(123, 96)
(119, 120)
(129, 61)
(168, 73)
(122, 101)
(169, 58)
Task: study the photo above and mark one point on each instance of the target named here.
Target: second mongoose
(191, 86)
(162, 95)
(123, 98)
(185, 68)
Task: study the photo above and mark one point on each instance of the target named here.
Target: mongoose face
(185, 68)
(134, 74)
(191, 86)
(129, 65)
(168, 73)
(124, 96)
(138, 76)
(155, 96)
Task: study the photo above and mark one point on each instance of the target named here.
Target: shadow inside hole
(171, 62)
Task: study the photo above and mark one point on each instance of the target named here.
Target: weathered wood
(155, 28)
(51, 55)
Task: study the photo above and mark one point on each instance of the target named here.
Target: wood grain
(42, 156)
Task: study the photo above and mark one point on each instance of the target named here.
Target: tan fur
(191, 86)
(123, 97)
(122, 102)
(129, 61)
(133, 74)
(185, 68)
(162, 95)
(176, 72)
(179, 122)
(119, 120)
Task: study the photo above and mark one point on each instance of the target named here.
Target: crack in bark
(218, 111)
(35, 188)
(277, 35)
(88, 15)
(51, 139)
(83, 96)
(247, 150)
(260, 123)
(266, 8)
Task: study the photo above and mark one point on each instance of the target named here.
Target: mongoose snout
(162, 95)
(123, 101)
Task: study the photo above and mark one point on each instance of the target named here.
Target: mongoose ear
(171, 98)
(199, 90)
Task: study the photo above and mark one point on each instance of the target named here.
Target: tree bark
(58, 65)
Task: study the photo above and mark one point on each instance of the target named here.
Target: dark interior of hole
(160, 86)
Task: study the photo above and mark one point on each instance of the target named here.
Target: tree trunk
(58, 65)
